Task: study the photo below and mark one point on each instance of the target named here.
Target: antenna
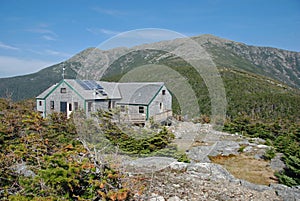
(63, 74)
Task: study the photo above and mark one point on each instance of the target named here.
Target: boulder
(209, 171)
(276, 163)
(255, 187)
(178, 166)
(287, 193)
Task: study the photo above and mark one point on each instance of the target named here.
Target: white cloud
(7, 47)
(98, 31)
(12, 66)
(47, 37)
(108, 11)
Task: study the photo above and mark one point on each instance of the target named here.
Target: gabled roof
(46, 92)
(128, 93)
(139, 92)
(110, 89)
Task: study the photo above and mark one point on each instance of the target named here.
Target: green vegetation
(137, 141)
(270, 153)
(46, 159)
(283, 135)
(247, 93)
(41, 159)
(130, 144)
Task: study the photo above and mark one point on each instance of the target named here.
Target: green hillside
(258, 106)
(258, 96)
(253, 76)
(29, 86)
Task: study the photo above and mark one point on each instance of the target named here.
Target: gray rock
(225, 148)
(287, 193)
(255, 187)
(244, 142)
(209, 171)
(248, 149)
(149, 164)
(200, 154)
(175, 198)
(178, 166)
(276, 163)
(262, 146)
(22, 169)
(155, 197)
(260, 154)
(258, 140)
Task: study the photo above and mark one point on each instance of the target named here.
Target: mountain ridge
(279, 64)
(258, 68)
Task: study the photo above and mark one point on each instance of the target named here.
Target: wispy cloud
(7, 47)
(42, 31)
(12, 66)
(111, 12)
(140, 36)
(57, 53)
(50, 38)
(98, 31)
(47, 34)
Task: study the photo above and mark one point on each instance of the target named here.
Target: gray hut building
(137, 101)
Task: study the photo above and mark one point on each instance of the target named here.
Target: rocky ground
(167, 179)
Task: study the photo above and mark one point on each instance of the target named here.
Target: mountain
(260, 81)
(29, 86)
(278, 64)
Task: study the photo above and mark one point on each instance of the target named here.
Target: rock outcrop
(169, 180)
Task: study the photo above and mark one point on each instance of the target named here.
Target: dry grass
(247, 168)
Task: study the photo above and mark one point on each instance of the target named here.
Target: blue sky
(35, 34)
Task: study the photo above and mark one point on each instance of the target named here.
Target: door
(63, 107)
(161, 107)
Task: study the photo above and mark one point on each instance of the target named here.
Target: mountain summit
(255, 78)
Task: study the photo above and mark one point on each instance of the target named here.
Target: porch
(162, 116)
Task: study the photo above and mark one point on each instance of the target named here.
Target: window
(63, 90)
(111, 104)
(70, 106)
(75, 106)
(160, 105)
(52, 105)
(163, 92)
(90, 106)
(141, 110)
(122, 108)
(40, 103)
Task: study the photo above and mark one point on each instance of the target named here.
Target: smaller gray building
(137, 101)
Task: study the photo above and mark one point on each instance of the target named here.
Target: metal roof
(127, 93)
(139, 92)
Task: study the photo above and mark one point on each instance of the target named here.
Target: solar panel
(82, 84)
(91, 85)
(103, 93)
(97, 86)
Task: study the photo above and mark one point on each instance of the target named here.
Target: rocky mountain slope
(276, 63)
(92, 63)
(266, 78)
(203, 179)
